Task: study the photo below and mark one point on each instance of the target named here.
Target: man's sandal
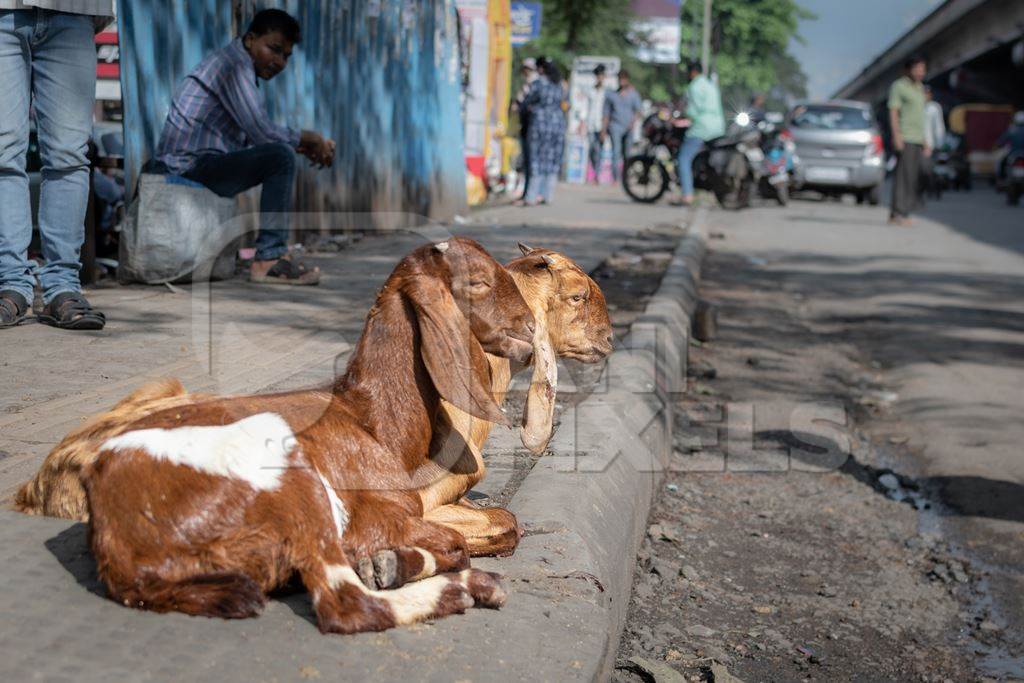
(287, 272)
(13, 308)
(71, 311)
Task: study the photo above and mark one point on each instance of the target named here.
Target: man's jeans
(596, 152)
(620, 146)
(51, 57)
(271, 165)
(688, 151)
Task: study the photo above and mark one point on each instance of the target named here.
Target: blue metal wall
(378, 76)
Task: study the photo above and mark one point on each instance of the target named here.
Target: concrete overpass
(975, 52)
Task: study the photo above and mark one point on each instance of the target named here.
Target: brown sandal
(287, 272)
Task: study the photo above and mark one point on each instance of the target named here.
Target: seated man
(219, 134)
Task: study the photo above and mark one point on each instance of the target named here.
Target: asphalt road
(937, 313)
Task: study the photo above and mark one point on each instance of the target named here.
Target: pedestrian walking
(704, 121)
(934, 121)
(907, 120)
(546, 140)
(48, 63)
(529, 74)
(934, 139)
(594, 121)
(622, 109)
(218, 133)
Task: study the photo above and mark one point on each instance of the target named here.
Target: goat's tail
(224, 595)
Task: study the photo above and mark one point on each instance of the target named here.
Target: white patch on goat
(338, 510)
(254, 450)
(429, 565)
(411, 603)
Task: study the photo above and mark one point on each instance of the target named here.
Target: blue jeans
(620, 144)
(596, 151)
(271, 165)
(47, 59)
(690, 148)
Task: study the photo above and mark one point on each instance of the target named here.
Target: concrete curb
(585, 507)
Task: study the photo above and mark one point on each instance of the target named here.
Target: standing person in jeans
(704, 121)
(219, 134)
(547, 133)
(48, 62)
(621, 111)
(906, 117)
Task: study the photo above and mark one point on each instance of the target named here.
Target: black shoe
(13, 308)
(71, 311)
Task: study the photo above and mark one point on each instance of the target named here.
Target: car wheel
(860, 197)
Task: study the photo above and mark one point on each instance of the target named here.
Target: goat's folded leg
(344, 605)
(426, 549)
(488, 531)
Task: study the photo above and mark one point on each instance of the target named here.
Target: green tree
(750, 47)
(750, 40)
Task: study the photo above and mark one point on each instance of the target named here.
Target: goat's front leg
(423, 550)
(488, 531)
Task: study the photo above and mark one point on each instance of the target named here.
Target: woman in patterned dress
(546, 136)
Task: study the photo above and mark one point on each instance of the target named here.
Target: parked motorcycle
(1014, 177)
(780, 161)
(721, 167)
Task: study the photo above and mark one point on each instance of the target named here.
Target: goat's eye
(577, 298)
(479, 284)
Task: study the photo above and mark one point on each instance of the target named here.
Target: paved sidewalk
(237, 338)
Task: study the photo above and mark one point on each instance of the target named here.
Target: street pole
(705, 57)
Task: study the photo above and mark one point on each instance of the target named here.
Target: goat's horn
(550, 260)
(525, 249)
(441, 246)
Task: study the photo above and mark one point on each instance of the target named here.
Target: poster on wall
(656, 30)
(526, 22)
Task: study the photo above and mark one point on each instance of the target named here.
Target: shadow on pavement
(71, 548)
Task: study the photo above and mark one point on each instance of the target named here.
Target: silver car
(840, 149)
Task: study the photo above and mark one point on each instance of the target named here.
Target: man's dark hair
(599, 70)
(694, 65)
(624, 74)
(913, 59)
(276, 20)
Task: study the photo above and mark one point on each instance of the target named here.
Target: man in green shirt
(704, 121)
(906, 118)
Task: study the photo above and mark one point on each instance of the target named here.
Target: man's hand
(682, 123)
(927, 151)
(897, 143)
(315, 147)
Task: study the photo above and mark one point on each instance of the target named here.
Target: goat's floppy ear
(539, 413)
(454, 358)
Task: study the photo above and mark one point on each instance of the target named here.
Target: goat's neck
(387, 385)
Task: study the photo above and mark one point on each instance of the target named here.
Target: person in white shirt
(595, 121)
(934, 122)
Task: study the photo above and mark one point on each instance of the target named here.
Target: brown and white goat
(205, 507)
(572, 322)
(562, 298)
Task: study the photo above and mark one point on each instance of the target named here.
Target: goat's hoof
(486, 588)
(385, 568)
(365, 570)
